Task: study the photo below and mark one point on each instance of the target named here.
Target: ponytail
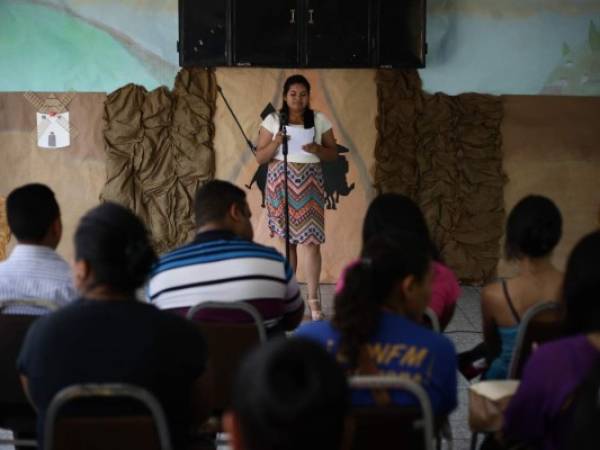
(386, 260)
(357, 310)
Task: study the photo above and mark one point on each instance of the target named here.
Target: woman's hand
(279, 137)
(313, 148)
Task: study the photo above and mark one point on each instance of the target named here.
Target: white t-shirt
(322, 124)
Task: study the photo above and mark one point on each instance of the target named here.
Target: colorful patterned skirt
(306, 202)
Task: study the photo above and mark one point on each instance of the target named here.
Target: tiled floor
(464, 330)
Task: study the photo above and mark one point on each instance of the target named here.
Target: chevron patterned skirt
(306, 200)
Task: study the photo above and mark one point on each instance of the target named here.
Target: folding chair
(16, 413)
(227, 344)
(411, 427)
(431, 320)
(97, 422)
(541, 323)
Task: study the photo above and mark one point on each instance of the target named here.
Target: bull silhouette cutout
(334, 179)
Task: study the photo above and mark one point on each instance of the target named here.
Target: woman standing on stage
(305, 180)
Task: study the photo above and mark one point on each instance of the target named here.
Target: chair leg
(474, 441)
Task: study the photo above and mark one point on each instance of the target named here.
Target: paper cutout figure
(53, 130)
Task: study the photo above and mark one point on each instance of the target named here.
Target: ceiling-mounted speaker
(302, 33)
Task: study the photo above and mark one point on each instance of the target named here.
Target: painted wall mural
(508, 47)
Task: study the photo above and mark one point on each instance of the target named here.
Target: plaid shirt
(35, 272)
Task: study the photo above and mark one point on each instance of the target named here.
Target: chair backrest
(431, 320)
(36, 303)
(14, 406)
(227, 344)
(16, 413)
(410, 427)
(541, 323)
(98, 427)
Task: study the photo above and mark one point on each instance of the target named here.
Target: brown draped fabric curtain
(159, 148)
(445, 153)
(4, 230)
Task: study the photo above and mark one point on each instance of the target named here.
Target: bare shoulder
(491, 294)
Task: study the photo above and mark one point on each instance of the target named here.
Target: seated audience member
(395, 212)
(375, 326)
(108, 336)
(288, 395)
(223, 264)
(540, 413)
(533, 229)
(34, 270)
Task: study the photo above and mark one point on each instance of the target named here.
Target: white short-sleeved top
(322, 125)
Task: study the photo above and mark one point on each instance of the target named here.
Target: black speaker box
(302, 33)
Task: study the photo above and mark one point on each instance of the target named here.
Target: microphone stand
(251, 146)
(286, 204)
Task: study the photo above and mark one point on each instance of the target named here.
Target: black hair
(396, 212)
(115, 242)
(533, 228)
(214, 199)
(31, 210)
(386, 260)
(290, 394)
(581, 286)
(584, 433)
(309, 114)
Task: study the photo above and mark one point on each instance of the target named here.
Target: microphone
(283, 119)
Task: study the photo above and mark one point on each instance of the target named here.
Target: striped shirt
(218, 266)
(35, 272)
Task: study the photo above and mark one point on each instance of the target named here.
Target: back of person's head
(396, 212)
(581, 286)
(389, 265)
(533, 228)
(31, 211)
(214, 200)
(289, 394)
(115, 244)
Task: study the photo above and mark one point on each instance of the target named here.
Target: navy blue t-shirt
(93, 341)
(401, 347)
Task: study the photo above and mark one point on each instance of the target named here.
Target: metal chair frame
(393, 382)
(238, 306)
(101, 390)
(38, 303)
(513, 367)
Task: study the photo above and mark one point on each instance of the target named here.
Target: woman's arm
(266, 147)
(327, 151)
(490, 328)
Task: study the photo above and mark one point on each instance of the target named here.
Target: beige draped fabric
(4, 230)
(159, 149)
(445, 153)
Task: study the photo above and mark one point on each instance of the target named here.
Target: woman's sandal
(314, 304)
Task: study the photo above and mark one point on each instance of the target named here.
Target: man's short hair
(290, 394)
(214, 199)
(31, 209)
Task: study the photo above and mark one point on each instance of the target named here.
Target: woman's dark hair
(309, 114)
(396, 212)
(581, 286)
(533, 228)
(290, 394)
(114, 241)
(386, 260)
(585, 419)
